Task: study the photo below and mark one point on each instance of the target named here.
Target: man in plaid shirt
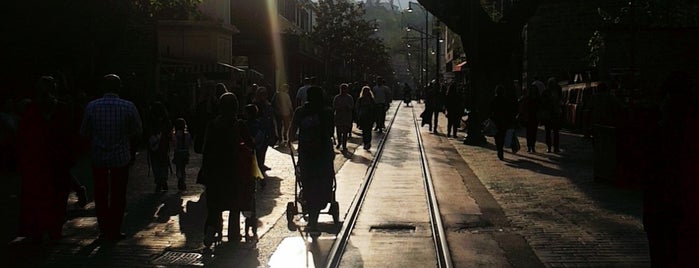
(110, 122)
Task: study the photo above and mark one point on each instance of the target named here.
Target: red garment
(45, 157)
(110, 198)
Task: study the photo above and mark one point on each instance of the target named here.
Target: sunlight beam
(275, 37)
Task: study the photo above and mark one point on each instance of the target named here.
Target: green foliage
(344, 35)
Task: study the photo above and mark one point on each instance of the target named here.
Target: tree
(347, 39)
(492, 46)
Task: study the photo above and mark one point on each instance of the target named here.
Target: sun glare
(275, 36)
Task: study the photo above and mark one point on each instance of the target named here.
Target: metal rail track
(443, 257)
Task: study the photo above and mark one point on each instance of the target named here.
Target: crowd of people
(42, 139)
(54, 131)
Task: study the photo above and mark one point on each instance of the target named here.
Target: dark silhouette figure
(502, 114)
(110, 122)
(314, 123)
(552, 114)
(227, 149)
(528, 111)
(46, 137)
(670, 192)
(181, 142)
(159, 139)
(407, 94)
(365, 115)
(382, 100)
(455, 109)
(343, 105)
(265, 115)
(434, 104)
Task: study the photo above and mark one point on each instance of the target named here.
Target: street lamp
(427, 24)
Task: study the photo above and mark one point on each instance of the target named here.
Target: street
(530, 210)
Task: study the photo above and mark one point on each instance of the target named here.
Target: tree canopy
(345, 37)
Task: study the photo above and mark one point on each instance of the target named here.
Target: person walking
(343, 105)
(46, 141)
(455, 110)
(181, 142)
(433, 106)
(365, 115)
(283, 111)
(407, 94)
(159, 140)
(111, 122)
(528, 111)
(266, 116)
(382, 100)
(315, 130)
(553, 114)
(301, 94)
(501, 113)
(223, 171)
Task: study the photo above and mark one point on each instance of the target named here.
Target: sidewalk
(154, 223)
(551, 200)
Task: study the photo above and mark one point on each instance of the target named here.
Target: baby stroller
(292, 208)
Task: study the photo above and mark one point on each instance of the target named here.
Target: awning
(459, 66)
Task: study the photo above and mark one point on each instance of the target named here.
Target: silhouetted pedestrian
(301, 94)
(455, 109)
(111, 122)
(343, 105)
(502, 114)
(181, 142)
(223, 170)
(407, 94)
(283, 111)
(315, 130)
(552, 109)
(266, 116)
(528, 111)
(382, 100)
(434, 104)
(365, 115)
(670, 197)
(46, 154)
(159, 139)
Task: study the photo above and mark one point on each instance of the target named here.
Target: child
(181, 141)
(255, 129)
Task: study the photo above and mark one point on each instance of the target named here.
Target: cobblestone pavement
(551, 200)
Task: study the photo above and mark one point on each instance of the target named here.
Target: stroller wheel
(335, 212)
(290, 212)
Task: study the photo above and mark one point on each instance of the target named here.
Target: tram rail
(443, 257)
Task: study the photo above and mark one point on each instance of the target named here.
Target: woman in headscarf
(315, 130)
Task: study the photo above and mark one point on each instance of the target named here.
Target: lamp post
(427, 24)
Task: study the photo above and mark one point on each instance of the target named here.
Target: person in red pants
(110, 122)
